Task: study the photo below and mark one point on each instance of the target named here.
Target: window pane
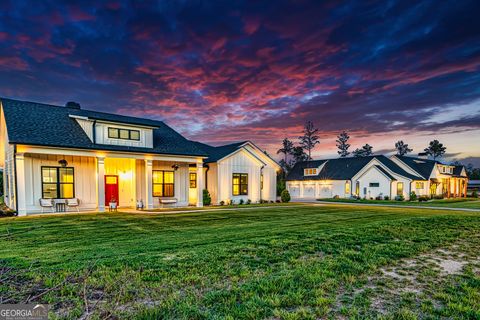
(168, 177)
(49, 174)
(124, 134)
(236, 190)
(157, 190)
(157, 176)
(244, 189)
(193, 180)
(135, 135)
(399, 188)
(112, 133)
(66, 190)
(169, 190)
(66, 174)
(49, 190)
(244, 179)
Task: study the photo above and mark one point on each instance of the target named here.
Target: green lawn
(471, 203)
(301, 262)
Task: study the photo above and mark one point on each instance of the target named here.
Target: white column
(101, 184)
(148, 184)
(301, 189)
(21, 185)
(200, 184)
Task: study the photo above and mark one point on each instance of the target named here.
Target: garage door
(309, 191)
(294, 191)
(325, 191)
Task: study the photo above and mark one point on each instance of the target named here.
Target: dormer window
(310, 172)
(125, 134)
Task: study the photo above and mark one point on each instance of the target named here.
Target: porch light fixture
(175, 167)
(63, 162)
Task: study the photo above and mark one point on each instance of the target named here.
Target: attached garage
(325, 191)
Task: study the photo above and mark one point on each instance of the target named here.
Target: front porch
(98, 178)
(454, 187)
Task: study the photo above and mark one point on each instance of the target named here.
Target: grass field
(471, 203)
(303, 262)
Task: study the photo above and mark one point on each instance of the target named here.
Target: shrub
(379, 197)
(277, 201)
(285, 196)
(241, 201)
(6, 212)
(222, 203)
(423, 198)
(399, 198)
(386, 198)
(439, 197)
(475, 194)
(207, 200)
(413, 196)
(232, 202)
(249, 201)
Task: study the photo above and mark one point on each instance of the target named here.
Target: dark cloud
(230, 70)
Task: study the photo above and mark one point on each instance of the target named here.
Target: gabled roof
(217, 153)
(385, 172)
(32, 123)
(346, 168)
(457, 171)
(423, 166)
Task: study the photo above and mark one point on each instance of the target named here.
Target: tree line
(293, 153)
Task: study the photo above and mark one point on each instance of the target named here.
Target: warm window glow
(347, 187)
(310, 172)
(419, 185)
(193, 180)
(261, 182)
(399, 188)
(240, 184)
(163, 184)
(58, 183)
(111, 180)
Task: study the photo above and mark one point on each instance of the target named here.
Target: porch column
(148, 184)
(200, 184)
(101, 183)
(465, 183)
(301, 189)
(21, 185)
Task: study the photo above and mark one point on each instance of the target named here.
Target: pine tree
(309, 139)
(342, 144)
(299, 154)
(364, 151)
(435, 149)
(402, 148)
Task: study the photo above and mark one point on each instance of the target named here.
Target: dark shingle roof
(385, 172)
(422, 166)
(217, 153)
(457, 171)
(345, 168)
(40, 124)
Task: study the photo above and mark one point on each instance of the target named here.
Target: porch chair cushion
(46, 203)
(73, 202)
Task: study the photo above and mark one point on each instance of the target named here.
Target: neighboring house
(365, 177)
(66, 152)
(473, 185)
(442, 179)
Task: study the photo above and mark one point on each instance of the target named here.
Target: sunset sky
(223, 71)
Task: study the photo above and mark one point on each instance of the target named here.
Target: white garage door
(325, 191)
(294, 191)
(309, 191)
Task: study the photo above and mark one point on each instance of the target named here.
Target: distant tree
(286, 149)
(299, 154)
(435, 149)
(364, 151)
(472, 172)
(402, 148)
(342, 144)
(309, 139)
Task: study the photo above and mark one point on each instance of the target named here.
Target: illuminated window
(347, 187)
(419, 185)
(240, 184)
(399, 188)
(357, 188)
(310, 172)
(58, 183)
(163, 183)
(125, 134)
(193, 180)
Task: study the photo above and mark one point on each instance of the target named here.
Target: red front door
(111, 189)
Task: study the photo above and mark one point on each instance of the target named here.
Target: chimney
(72, 105)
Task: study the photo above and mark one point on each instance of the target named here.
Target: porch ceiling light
(63, 162)
(175, 167)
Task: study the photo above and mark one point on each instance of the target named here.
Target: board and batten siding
(181, 182)
(243, 162)
(85, 179)
(101, 136)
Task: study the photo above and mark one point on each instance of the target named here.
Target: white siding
(181, 180)
(87, 126)
(101, 135)
(212, 182)
(374, 175)
(85, 179)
